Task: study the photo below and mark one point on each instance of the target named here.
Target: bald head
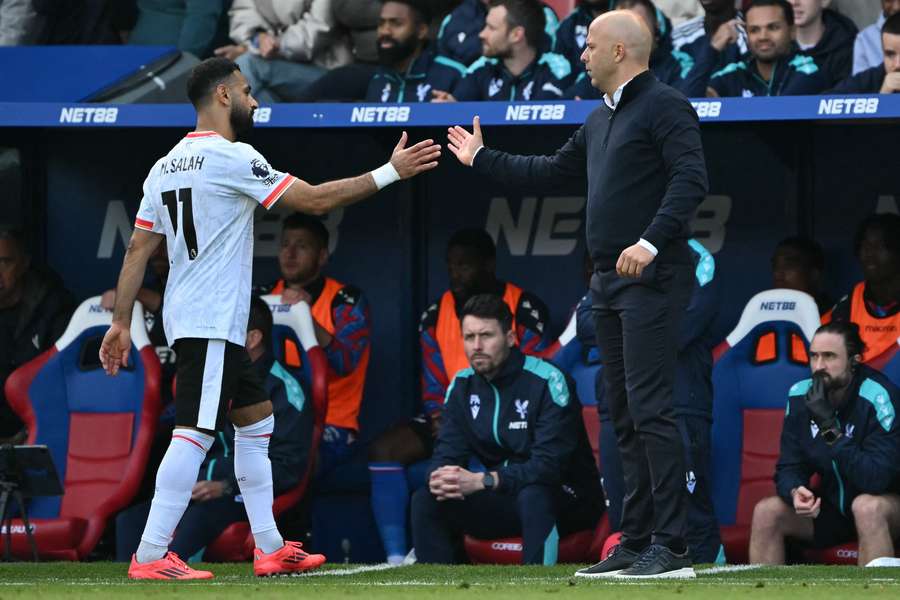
(617, 49)
(625, 27)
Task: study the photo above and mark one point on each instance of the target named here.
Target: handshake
(821, 410)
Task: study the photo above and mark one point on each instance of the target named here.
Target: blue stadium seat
(293, 334)
(98, 429)
(755, 366)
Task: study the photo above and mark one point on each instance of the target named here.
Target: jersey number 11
(171, 203)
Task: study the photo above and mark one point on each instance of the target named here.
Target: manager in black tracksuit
(642, 157)
(517, 416)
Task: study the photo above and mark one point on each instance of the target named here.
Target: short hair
(308, 223)
(206, 76)
(784, 5)
(528, 14)
(476, 240)
(849, 331)
(888, 224)
(17, 235)
(488, 306)
(810, 250)
(892, 24)
(420, 8)
(261, 319)
(648, 4)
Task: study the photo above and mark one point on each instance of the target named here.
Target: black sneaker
(658, 562)
(620, 558)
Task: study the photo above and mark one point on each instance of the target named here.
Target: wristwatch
(489, 482)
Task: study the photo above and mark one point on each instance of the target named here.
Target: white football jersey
(201, 196)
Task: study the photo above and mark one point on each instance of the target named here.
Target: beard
(241, 119)
(400, 51)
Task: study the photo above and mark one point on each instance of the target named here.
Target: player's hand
(115, 347)
(293, 296)
(268, 45)
(464, 144)
(108, 299)
(442, 96)
(805, 503)
(416, 159)
(207, 490)
(891, 83)
(231, 51)
(444, 483)
(632, 261)
(725, 35)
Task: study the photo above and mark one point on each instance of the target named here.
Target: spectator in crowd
(195, 27)
(880, 79)
(215, 498)
(680, 11)
(874, 303)
(774, 67)
(572, 32)
(341, 317)
(862, 12)
(84, 21)
(282, 46)
(34, 312)
(798, 263)
(713, 40)
(19, 23)
(840, 425)
(826, 36)
(867, 51)
(668, 66)
(471, 262)
(692, 400)
(512, 66)
(350, 82)
(410, 71)
(540, 480)
(458, 37)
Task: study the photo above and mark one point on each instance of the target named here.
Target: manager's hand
(416, 159)
(632, 261)
(464, 144)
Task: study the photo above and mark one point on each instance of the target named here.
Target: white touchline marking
(354, 570)
(727, 569)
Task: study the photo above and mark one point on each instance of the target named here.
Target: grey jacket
(18, 23)
(306, 29)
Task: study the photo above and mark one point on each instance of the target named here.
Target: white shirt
(867, 51)
(201, 196)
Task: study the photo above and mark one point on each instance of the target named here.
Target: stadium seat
(98, 429)
(293, 332)
(754, 368)
(562, 8)
(888, 362)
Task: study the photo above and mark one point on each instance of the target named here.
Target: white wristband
(385, 175)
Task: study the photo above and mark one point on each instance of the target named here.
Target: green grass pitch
(107, 580)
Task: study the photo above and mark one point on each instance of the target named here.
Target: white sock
(254, 475)
(174, 481)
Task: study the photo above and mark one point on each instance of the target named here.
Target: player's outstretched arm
(464, 144)
(117, 341)
(544, 173)
(405, 163)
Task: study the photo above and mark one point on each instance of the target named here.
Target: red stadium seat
(754, 369)
(98, 429)
(562, 8)
(291, 324)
